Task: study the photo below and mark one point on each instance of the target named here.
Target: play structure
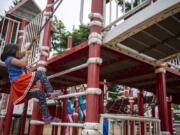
(133, 44)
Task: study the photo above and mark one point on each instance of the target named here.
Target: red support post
(126, 92)
(76, 116)
(23, 119)
(64, 114)
(105, 95)
(24, 115)
(141, 110)
(170, 115)
(21, 32)
(57, 114)
(69, 42)
(95, 41)
(9, 31)
(4, 104)
(161, 91)
(8, 117)
(101, 100)
(36, 115)
(46, 43)
(126, 95)
(131, 101)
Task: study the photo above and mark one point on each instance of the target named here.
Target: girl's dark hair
(9, 50)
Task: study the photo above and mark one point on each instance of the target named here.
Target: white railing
(124, 124)
(8, 25)
(116, 11)
(2, 45)
(30, 32)
(175, 62)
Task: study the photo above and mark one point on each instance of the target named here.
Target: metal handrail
(121, 13)
(175, 62)
(4, 27)
(124, 122)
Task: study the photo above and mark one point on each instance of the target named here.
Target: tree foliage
(80, 35)
(59, 39)
(176, 116)
(128, 4)
(15, 2)
(114, 91)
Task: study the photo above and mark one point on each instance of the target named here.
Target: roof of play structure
(26, 9)
(154, 33)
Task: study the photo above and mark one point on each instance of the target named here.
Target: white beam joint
(42, 62)
(93, 91)
(160, 70)
(95, 15)
(91, 125)
(47, 13)
(95, 23)
(96, 60)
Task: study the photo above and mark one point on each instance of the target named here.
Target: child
(23, 84)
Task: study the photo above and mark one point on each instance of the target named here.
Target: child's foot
(50, 119)
(55, 94)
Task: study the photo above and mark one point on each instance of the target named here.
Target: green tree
(15, 2)
(59, 39)
(80, 35)
(128, 4)
(176, 116)
(114, 91)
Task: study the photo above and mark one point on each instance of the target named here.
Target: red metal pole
(47, 36)
(101, 100)
(69, 42)
(24, 115)
(4, 104)
(131, 101)
(64, 114)
(105, 95)
(141, 110)
(36, 115)
(126, 95)
(170, 115)
(161, 90)
(9, 32)
(23, 120)
(126, 92)
(8, 117)
(57, 114)
(10, 107)
(43, 58)
(76, 117)
(21, 32)
(93, 79)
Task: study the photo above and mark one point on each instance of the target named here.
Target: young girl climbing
(23, 84)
